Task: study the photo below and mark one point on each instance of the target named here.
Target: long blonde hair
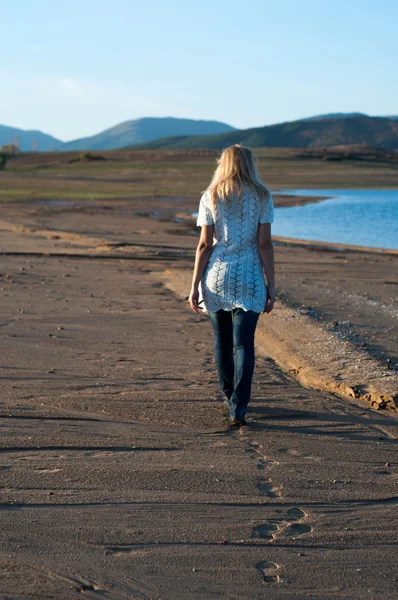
(236, 168)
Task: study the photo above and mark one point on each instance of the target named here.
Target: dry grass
(136, 173)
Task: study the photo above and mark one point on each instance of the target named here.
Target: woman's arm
(203, 251)
(266, 250)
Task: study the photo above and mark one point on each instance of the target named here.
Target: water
(356, 217)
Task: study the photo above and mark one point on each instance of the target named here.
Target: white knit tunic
(234, 275)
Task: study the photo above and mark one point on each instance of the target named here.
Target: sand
(120, 477)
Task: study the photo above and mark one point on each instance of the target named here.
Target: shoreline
(332, 246)
(303, 200)
(316, 244)
(287, 200)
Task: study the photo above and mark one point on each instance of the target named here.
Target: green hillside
(378, 132)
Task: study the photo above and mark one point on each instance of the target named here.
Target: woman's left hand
(193, 299)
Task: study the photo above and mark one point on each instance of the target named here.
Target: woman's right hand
(271, 297)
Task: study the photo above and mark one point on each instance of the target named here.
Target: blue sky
(74, 67)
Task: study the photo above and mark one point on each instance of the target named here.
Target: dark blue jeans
(235, 329)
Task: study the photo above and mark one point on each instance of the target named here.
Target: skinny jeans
(234, 330)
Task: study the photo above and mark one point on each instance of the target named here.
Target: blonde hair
(236, 168)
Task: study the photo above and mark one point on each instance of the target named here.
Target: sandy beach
(125, 473)
(120, 477)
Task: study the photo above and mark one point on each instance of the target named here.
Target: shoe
(237, 422)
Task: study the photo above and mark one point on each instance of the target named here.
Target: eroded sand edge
(316, 357)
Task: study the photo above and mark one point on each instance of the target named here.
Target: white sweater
(234, 276)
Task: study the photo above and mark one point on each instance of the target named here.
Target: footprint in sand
(290, 526)
(295, 529)
(266, 488)
(298, 529)
(265, 532)
(269, 571)
(265, 485)
(294, 514)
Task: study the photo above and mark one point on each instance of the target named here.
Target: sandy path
(119, 478)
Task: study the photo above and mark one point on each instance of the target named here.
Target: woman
(235, 212)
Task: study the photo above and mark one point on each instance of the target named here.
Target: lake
(356, 217)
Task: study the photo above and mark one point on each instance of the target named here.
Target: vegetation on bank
(185, 173)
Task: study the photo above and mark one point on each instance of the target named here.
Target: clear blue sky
(74, 67)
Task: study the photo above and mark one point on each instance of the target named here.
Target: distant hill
(377, 132)
(144, 130)
(334, 116)
(343, 115)
(10, 135)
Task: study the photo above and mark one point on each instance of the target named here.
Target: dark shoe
(237, 422)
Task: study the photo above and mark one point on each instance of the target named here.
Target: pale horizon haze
(72, 69)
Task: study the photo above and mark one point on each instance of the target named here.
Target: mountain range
(141, 131)
(170, 132)
(129, 133)
(377, 132)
